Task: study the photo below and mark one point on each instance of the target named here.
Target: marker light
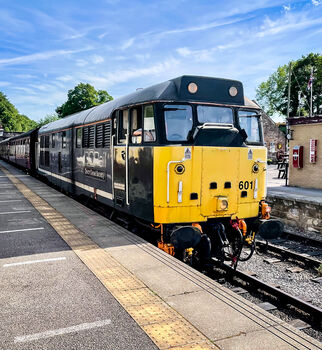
(192, 88)
(233, 91)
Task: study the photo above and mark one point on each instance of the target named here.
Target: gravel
(298, 284)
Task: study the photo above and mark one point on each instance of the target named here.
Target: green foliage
(319, 270)
(48, 119)
(272, 94)
(82, 97)
(11, 120)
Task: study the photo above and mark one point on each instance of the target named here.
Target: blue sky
(48, 47)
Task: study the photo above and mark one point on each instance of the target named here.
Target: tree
(10, 118)
(48, 119)
(82, 97)
(272, 94)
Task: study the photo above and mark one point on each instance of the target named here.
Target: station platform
(70, 278)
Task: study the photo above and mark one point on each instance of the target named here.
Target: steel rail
(282, 296)
(287, 253)
(298, 237)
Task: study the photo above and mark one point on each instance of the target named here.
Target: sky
(48, 47)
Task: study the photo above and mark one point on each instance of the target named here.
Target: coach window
(47, 141)
(123, 120)
(79, 137)
(149, 126)
(136, 125)
(63, 139)
(178, 122)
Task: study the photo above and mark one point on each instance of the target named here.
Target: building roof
(305, 120)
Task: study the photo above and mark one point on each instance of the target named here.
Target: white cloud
(287, 7)
(119, 76)
(286, 24)
(25, 76)
(96, 59)
(81, 63)
(4, 83)
(101, 36)
(39, 56)
(128, 43)
(316, 2)
(183, 51)
(65, 78)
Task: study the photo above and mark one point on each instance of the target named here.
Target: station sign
(313, 150)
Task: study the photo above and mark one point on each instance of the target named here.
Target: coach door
(120, 159)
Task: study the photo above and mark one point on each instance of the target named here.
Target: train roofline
(171, 90)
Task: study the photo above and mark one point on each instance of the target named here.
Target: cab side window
(123, 120)
(136, 125)
(149, 125)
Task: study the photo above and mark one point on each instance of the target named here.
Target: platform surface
(71, 278)
(276, 188)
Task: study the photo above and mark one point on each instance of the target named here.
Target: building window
(53, 138)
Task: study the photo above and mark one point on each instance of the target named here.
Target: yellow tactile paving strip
(166, 328)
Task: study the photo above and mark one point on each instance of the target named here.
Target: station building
(305, 152)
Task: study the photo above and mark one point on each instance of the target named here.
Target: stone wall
(305, 216)
(273, 137)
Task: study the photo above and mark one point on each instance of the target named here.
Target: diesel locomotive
(185, 157)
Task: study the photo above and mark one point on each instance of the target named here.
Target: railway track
(284, 298)
(288, 254)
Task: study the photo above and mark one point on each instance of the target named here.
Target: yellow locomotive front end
(209, 171)
(198, 183)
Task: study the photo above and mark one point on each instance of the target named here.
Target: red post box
(298, 157)
(313, 150)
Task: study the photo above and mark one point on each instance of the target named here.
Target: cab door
(120, 159)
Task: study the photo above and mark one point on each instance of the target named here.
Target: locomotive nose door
(120, 159)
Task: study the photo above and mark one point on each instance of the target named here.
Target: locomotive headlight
(222, 203)
(192, 88)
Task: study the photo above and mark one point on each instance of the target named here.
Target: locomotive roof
(209, 90)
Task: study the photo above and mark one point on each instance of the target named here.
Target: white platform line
(15, 175)
(24, 229)
(15, 212)
(11, 200)
(60, 331)
(33, 262)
